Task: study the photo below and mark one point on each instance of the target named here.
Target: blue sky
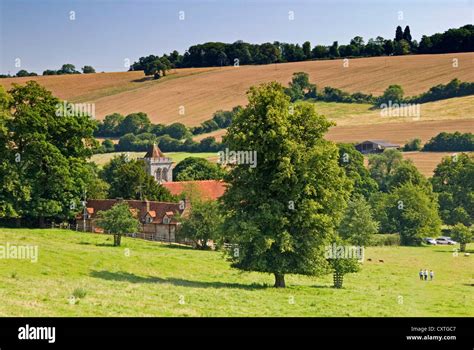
(105, 33)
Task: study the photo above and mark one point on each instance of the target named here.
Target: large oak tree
(281, 213)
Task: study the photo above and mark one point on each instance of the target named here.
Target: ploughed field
(202, 91)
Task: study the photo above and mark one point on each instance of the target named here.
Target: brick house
(158, 219)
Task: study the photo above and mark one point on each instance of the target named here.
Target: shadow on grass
(132, 278)
(178, 246)
(107, 245)
(319, 286)
(141, 80)
(470, 251)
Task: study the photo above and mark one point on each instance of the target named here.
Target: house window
(166, 220)
(158, 175)
(165, 175)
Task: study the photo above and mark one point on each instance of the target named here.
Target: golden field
(202, 91)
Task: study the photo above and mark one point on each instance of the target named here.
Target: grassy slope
(457, 113)
(151, 280)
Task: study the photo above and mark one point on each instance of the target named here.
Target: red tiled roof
(208, 189)
(152, 213)
(140, 208)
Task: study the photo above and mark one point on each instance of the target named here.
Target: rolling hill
(202, 91)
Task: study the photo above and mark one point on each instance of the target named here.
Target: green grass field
(104, 158)
(143, 278)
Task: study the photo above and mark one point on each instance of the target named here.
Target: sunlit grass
(143, 278)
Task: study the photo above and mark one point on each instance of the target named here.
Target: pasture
(82, 274)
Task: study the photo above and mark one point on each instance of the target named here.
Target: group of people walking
(424, 275)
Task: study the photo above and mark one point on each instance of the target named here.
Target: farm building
(158, 219)
(375, 146)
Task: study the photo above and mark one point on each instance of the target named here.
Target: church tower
(157, 165)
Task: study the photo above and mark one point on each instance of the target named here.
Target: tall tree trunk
(463, 247)
(338, 279)
(41, 222)
(279, 280)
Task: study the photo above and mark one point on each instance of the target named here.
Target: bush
(177, 131)
(193, 168)
(393, 94)
(454, 88)
(381, 239)
(220, 120)
(413, 145)
(456, 142)
(108, 146)
(79, 293)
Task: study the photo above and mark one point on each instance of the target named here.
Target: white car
(431, 241)
(445, 241)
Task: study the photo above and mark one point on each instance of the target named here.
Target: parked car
(445, 240)
(429, 240)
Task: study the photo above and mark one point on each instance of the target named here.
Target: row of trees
(444, 142)
(220, 120)
(65, 69)
(117, 124)
(142, 142)
(301, 88)
(451, 142)
(69, 68)
(223, 54)
(138, 133)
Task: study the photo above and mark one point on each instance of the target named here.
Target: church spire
(154, 152)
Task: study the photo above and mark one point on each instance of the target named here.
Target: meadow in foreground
(143, 278)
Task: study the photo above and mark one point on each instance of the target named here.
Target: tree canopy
(194, 168)
(118, 220)
(43, 168)
(279, 214)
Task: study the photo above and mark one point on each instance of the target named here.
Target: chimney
(147, 203)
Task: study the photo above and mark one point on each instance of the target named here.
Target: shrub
(413, 145)
(450, 142)
(389, 239)
(79, 293)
